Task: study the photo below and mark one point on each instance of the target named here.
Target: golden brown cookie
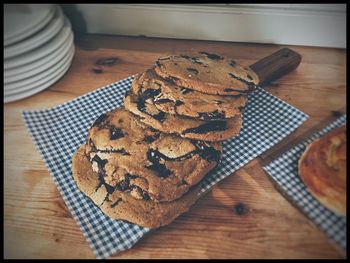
(121, 205)
(217, 130)
(172, 99)
(133, 156)
(207, 72)
(322, 167)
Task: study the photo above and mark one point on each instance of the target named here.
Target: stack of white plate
(38, 48)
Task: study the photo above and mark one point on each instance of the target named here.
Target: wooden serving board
(244, 216)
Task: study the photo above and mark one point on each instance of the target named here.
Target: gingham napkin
(59, 131)
(284, 171)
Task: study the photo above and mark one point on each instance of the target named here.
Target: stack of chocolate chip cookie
(143, 163)
(196, 95)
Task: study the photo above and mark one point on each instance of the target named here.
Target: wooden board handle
(276, 65)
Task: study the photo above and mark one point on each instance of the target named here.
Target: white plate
(42, 61)
(20, 25)
(39, 87)
(29, 83)
(38, 39)
(41, 51)
(28, 70)
(21, 18)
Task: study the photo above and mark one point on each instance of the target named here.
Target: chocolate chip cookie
(149, 114)
(120, 204)
(172, 99)
(207, 72)
(134, 157)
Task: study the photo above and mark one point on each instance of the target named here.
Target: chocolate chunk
(141, 105)
(123, 185)
(130, 176)
(229, 90)
(251, 88)
(151, 138)
(208, 127)
(192, 71)
(122, 151)
(194, 60)
(212, 56)
(150, 93)
(153, 129)
(250, 85)
(142, 192)
(92, 145)
(116, 202)
(161, 101)
(211, 115)
(101, 163)
(110, 189)
(179, 158)
(100, 184)
(160, 116)
(100, 119)
(158, 64)
(233, 63)
(186, 57)
(145, 195)
(178, 103)
(115, 133)
(172, 80)
(207, 152)
(242, 80)
(154, 157)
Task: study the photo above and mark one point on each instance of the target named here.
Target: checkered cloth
(59, 131)
(284, 171)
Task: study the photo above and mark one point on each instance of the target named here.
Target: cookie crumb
(240, 209)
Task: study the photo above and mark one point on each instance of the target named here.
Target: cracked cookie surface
(216, 130)
(207, 72)
(134, 157)
(172, 99)
(121, 205)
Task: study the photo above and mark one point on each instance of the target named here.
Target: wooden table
(39, 225)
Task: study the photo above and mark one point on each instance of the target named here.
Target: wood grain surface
(244, 216)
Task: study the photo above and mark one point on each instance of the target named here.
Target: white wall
(295, 24)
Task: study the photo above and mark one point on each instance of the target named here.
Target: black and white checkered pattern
(59, 131)
(284, 171)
